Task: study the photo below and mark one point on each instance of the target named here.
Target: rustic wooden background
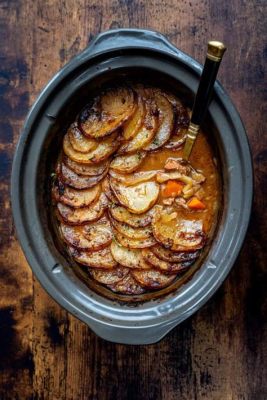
(218, 354)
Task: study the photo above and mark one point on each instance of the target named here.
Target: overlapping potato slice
(130, 258)
(109, 277)
(152, 279)
(172, 256)
(78, 181)
(99, 231)
(165, 123)
(145, 133)
(108, 112)
(91, 237)
(127, 285)
(78, 141)
(132, 126)
(167, 267)
(86, 169)
(108, 192)
(128, 163)
(104, 149)
(121, 214)
(134, 243)
(75, 198)
(133, 179)
(83, 215)
(180, 128)
(130, 232)
(137, 199)
(175, 233)
(94, 259)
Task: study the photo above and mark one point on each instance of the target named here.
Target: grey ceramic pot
(118, 54)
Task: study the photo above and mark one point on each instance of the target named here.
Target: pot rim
(165, 313)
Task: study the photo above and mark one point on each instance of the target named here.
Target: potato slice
(78, 141)
(145, 133)
(181, 124)
(108, 192)
(80, 216)
(130, 232)
(109, 277)
(130, 258)
(128, 163)
(170, 268)
(171, 256)
(74, 235)
(99, 232)
(134, 179)
(165, 123)
(104, 149)
(134, 243)
(132, 126)
(75, 198)
(86, 169)
(77, 181)
(152, 279)
(108, 112)
(94, 259)
(121, 214)
(177, 234)
(127, 285)
(139, 198)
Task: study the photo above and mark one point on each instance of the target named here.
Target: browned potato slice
(177, 234)
(127, 285)
(139, 198)
(133, 179)
(108, 192)
(152, 279)
(130, 258)
(108, 112)
(80, 216)
(78, 141)
(77, 181)
(132, 126)
(165, 123)
(104, 149)
(170, 268)
(128, 163)
(75, 198)
(134, 243)
(109, 277)
(86, 169)
(91, 237)
(180, 128)
(171, 256)
(130, 232)
(94, 259)
(144, 135)
(99, 232)
(121, 214)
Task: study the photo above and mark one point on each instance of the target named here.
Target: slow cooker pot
(122, 54)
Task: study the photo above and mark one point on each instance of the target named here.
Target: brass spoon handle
(213, 59)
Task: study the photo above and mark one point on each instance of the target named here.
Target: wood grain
(220, 352)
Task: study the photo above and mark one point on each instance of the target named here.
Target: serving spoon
(213, 59)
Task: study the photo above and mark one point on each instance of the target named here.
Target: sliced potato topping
(94, 259)
(130, 258)
(127, 285)
(133, 179)
(78, 141)
(109, 277)
(121, 214)
(73, 197)
(152, 279)
(128, 163)
(108, 112)
(134, 243)
(167, 267)
(77, 181)
(86, 169)
(139, 198)
(130, 232)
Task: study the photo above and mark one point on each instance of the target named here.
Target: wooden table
(45, 353)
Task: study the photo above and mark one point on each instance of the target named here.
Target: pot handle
(131, 336)
(118, 39)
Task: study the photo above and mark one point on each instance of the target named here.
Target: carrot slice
(172, 189)
(195, 204)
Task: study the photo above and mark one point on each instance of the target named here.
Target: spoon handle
(213, 59)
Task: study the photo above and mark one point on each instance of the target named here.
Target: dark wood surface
(218, 354)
